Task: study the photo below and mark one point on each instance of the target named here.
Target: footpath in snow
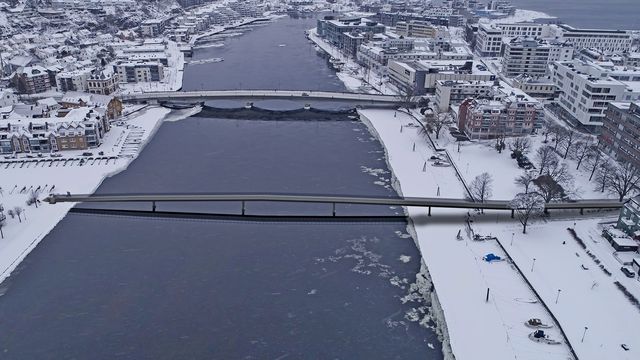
(22, 234)
(495, 328)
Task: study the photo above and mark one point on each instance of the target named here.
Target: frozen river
(107, 287)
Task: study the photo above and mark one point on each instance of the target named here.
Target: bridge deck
(261, 94)
(407, 201)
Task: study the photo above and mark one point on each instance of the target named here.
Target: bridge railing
(502, 205)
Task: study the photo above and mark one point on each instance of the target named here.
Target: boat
(540, 337)
(537, 324)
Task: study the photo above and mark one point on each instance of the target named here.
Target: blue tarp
(491, 257)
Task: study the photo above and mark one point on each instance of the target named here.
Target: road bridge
(429, 203)
(256, 95)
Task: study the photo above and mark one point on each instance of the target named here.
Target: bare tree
(559, 133)
(520, 145)
(3, 219)
(18, 211)
(546, 130)
(544, 157)
(32, 198)
(596, 160)
(526, 206)
(438, 120)
(481, 187)
(570, 137)
(624, 181)
(525, 180)
(408, 96)
(583, 149)
(556, 183)
(603, 175)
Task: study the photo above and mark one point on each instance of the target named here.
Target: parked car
(87, 153)
(628, 272)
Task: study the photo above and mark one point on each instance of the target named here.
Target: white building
(450, 92)
(605, 40)
(532, 56)
(419, 29)
(585, 90)
(527, 30)
(75, 80)
(421, 76)
(540, 88)
(488, 40)
(134, 72)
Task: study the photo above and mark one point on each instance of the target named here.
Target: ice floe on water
(402, 235)
(404, 258)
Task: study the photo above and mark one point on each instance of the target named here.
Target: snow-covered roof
(50, 102)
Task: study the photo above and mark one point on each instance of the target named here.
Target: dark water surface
(111, 287)
(609, 14)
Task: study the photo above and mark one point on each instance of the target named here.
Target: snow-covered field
(461, 278)
(22, 235)
(473, 157)
(588, 297)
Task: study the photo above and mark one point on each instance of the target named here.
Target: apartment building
(421, 76)
(514, 115)
(605, 40)
(103, 83)
(586, 89)
(488, 41)
(343, 33)
(532, 56)
(621, 131)
(376, 57)
(133, 72)
(32, 80)
(539, 88)
(451, 92)
(527, 30)
(415, 28)
(153, 27)
(75, 80)
(80, 129)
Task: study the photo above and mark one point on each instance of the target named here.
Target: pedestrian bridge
(242, 199)
(256, 95)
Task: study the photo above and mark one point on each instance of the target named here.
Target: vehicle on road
(628, 272)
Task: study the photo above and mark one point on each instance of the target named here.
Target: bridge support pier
(153, 206)
(512, 213)
(334, 209)
(581, 211)
(243, 208)
(429, 210)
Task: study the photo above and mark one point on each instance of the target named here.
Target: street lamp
(533, 264)
(558, 296)
(584, 333)
(512, 235)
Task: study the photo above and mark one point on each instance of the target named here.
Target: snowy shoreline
(21, 238)
(423, 278)
(467, 323)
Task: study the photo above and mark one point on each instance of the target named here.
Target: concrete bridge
(429, 203)
(256, 95)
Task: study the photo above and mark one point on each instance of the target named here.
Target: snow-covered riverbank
(460, 276)
(21, 235)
